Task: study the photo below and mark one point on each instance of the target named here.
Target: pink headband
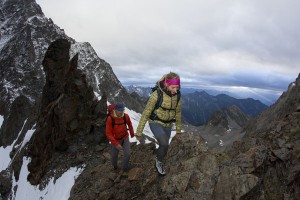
(175, 81)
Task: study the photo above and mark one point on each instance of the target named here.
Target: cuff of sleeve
(138, 134)
(115, 144)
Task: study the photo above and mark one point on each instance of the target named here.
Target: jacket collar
(115, 115)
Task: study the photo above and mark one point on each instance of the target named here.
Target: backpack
(110, 108)
(158, 103)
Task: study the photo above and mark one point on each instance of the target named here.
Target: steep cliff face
(271, 148)
(24, 37)
(67, 114)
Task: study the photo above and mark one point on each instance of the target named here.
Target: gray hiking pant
(162, 135)
(115, 152)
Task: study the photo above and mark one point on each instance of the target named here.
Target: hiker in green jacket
(162, 110)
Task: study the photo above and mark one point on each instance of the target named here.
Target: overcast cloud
(210, 43)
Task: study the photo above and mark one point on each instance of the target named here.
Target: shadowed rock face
(14, 123)
(69, 110)
(271, 148)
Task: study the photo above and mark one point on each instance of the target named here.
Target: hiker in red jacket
(117, 134)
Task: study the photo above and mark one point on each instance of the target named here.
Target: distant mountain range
(146, 91)
(198, 107)
(267, 99)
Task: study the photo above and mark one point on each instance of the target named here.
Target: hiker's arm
(178, 117)
(131, 131)
(109, 133)
(146, 113)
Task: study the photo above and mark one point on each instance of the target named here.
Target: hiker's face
(119, 113)
(173, 88)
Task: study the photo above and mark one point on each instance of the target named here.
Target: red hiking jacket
(119, 131)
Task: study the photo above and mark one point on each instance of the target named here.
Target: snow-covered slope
(58, 189)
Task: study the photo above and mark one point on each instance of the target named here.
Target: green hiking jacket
(169, 102)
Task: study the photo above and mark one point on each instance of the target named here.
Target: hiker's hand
(138, 138)
(119, 147)
(178, 137)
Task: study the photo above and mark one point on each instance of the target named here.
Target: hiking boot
(160, 168)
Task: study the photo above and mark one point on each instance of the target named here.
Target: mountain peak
(67, 109)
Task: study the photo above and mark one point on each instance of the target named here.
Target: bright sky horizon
(251, 45)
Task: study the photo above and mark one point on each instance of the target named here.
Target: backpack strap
(178, 97)
(114, 122)
(158, 104)
(159, 99)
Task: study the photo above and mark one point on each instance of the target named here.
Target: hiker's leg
(127, 152)
(114, 156)
(162, 135)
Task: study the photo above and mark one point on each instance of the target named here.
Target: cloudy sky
(239, 44)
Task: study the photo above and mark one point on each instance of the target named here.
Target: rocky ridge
(193, 173)
(271, 148)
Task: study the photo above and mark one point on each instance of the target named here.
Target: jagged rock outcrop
(223, 128)
(68, 108)
(271, 149)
